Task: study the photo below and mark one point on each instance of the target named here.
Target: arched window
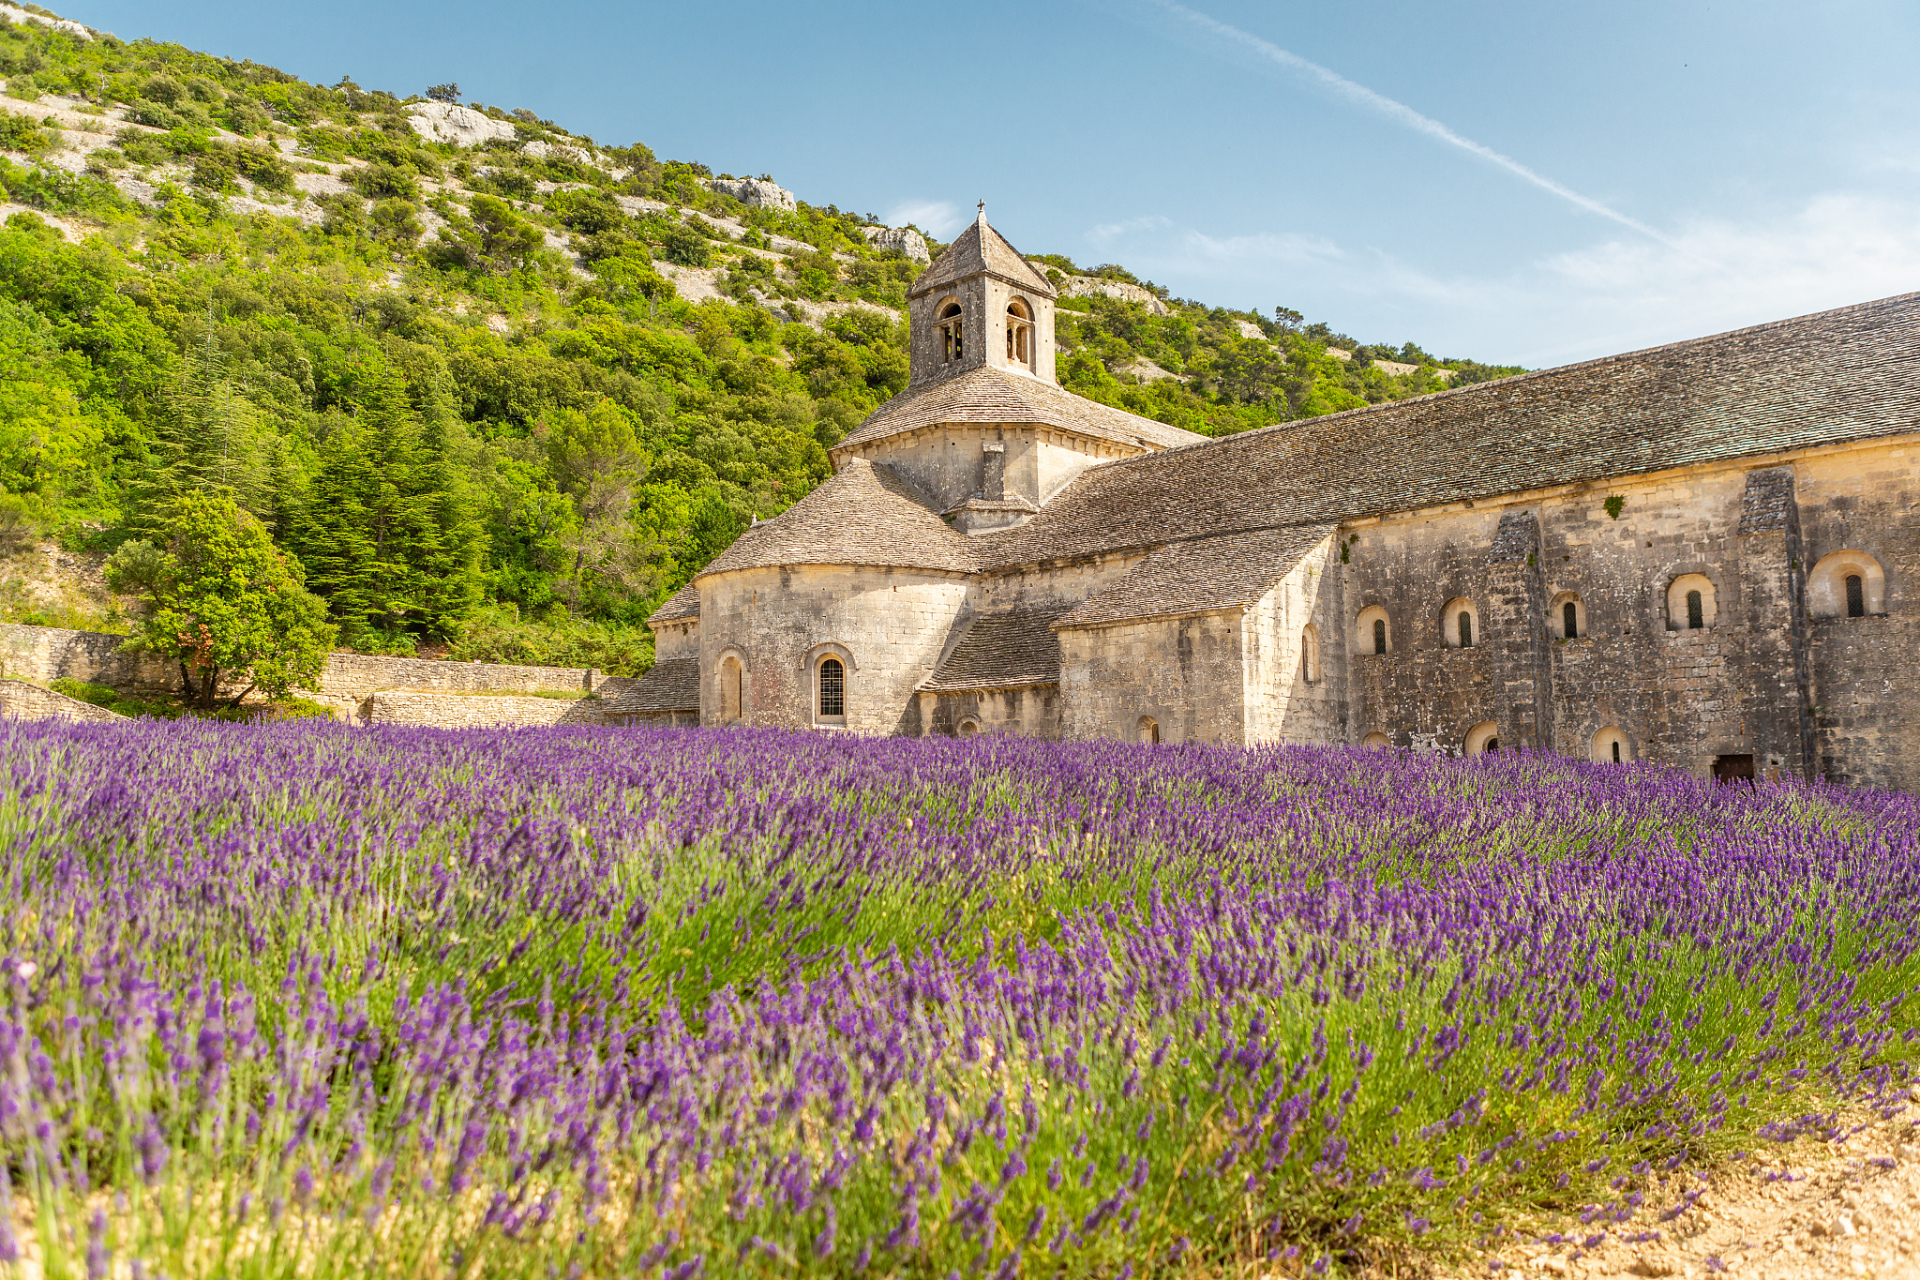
(1690, 603)
(968, 727)
(1846, 584)
(1372, 632)
(1377, 741)
(1147, 731)
(1309, 654)
(832, 683)
(1610, 746)
(1569, 616)
(953, 328)
(1457, 623)
(1019, 333)
(730, 673)
(1482, 739)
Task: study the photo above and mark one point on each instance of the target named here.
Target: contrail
(1360, 95)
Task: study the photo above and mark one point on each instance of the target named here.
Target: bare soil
(1803, 1211)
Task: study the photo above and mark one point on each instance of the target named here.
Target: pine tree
(385, 533)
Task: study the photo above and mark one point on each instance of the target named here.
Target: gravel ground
(1804, 1211)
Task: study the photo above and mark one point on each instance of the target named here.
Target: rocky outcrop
(755, 193)
(1095, 287)
(905, 239)
(461, 126)
(1248, 329)
(539, 149)
(14, 13)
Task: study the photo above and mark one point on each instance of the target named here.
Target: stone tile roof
(684, 603)
(672, 685)
(1003, 649)
(864, 514)
(976, 251)
(988, 395)
(1200, 576)
(1837, 376)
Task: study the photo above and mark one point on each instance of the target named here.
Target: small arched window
(1019, 333)
(1846, 584)
(953, 327)
(1690, 603)
(1457, 623)
(968, 727)
(1569, 618)
(1610, 746)
(1309, 654)
(1377, 742)
(832, 690)
(1147, 731)
(1372, 632)
(730, 681)
(1482, 739)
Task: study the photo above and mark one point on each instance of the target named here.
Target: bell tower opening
(981, 306)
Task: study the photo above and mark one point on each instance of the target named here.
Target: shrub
(264, 167)
(382, 181)
(683, 246)
(163, 89)
(18, 133)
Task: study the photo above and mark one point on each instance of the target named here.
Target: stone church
(1696, 554)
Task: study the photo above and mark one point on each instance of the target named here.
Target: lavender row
(337, 1002)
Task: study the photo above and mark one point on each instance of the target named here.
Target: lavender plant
(316, 1001)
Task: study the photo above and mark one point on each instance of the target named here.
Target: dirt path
(1806, 1211)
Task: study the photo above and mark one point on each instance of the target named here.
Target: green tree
(224, 602)
(383, 529)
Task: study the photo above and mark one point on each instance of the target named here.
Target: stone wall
(1035, 711)
(475, 711)
(1184, 673)
(949, 464)
(44, 654)
(1281, 703)
(888, 626)
(1832, 696)
(31, 702)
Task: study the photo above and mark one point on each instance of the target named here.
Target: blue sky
(1515, 182)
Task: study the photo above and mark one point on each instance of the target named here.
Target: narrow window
(1466, 630)
(1570, 616)
(833, 687)
(1696, 617)
(1856, 596)
(952, 331)
(1616, 751)
(1379, 635)
(1493, 745)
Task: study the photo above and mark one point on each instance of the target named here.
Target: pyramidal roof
(862, 514)
(980, 250)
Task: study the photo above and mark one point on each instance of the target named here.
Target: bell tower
(980, 307)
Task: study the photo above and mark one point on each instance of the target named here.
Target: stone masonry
(1698, 554)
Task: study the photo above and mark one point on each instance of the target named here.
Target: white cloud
(939, 218)
(1617, 294)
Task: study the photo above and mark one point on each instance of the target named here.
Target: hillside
(498, 387)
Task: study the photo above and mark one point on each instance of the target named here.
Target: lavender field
(316, 1001)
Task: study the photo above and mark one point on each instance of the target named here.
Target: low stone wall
(469, 711)
(44, 654)
(31, 702)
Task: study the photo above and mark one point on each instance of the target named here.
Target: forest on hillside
(466, 389)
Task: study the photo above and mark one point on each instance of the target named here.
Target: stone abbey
(1695, 554)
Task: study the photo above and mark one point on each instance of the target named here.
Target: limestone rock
(757, 193)
(461, 126)
(905, 239)
(14, 13)
(1248, 329)
(539, 149)
(1095, 287)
